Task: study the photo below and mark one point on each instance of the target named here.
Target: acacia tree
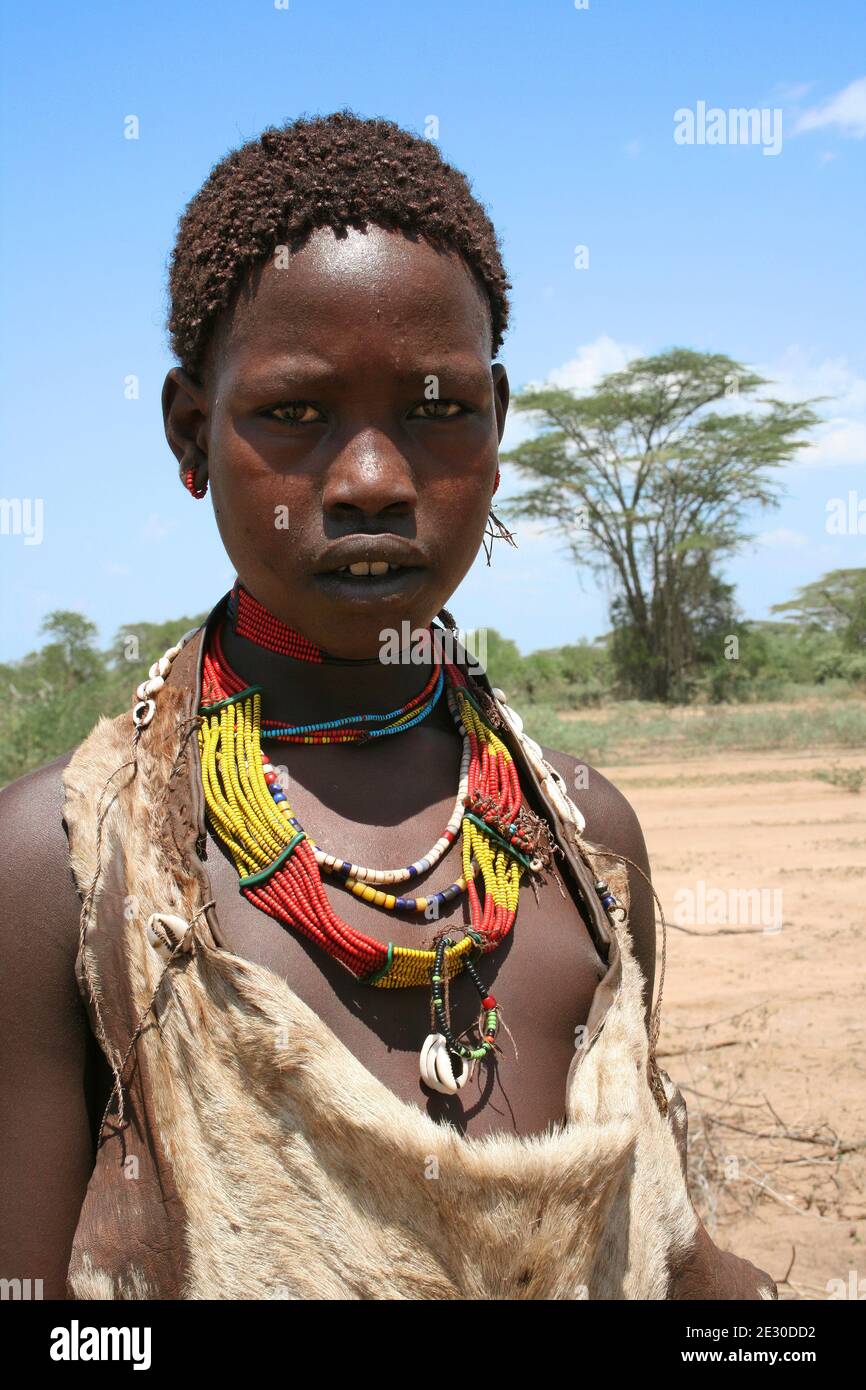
(835, 603)
(648, 479)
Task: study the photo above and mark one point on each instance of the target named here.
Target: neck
(316, 686)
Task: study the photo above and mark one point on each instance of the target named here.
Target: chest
(543, 976)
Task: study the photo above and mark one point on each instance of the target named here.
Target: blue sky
(563, 118)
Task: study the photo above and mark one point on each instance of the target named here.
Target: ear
(184, 414)
(502, 395)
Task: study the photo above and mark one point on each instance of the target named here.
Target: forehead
(338, 290)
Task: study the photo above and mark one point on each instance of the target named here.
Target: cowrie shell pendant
(436, 1068)
(164, 931)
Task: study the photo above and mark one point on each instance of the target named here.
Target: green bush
(52, 698)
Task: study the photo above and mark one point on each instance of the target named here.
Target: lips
(398, 586)
(364, 567)
(368, 558)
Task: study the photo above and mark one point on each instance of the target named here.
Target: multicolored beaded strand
(281, 869)
(442, 1049)
(219, 681)
(275, 860)
(510, 836)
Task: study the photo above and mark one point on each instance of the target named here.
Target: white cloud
(791, 92)
(593, 361)
(841, 436)
(845, 112)
(797, 374)
(837, 442)
(580, 373)
(839, 439)
(518, 428)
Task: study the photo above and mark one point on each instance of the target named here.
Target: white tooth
(379, 567)
(361, 567)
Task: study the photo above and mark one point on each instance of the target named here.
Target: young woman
(354, 997)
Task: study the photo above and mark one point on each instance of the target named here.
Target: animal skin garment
(251, 1155)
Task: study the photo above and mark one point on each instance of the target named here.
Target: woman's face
(350, 415)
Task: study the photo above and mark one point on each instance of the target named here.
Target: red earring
(496, 484)
(190, 483)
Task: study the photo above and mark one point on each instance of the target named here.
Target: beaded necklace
(252, 620)
(281, 868)
(219, 680)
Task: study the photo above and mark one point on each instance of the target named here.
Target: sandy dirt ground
(763, 1010)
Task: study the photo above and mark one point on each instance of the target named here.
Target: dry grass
(764, 1031)
(634, 731)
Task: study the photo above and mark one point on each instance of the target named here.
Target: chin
(350, 614)
(361, 632)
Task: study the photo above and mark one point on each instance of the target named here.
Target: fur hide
(258, 1158)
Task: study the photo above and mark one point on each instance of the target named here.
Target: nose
(370, 475)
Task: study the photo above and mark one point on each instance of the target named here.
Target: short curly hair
(337, 171)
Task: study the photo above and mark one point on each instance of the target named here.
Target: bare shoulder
(41, 908)
(611, 822)
(35, 847)
(610, 817)
(47, 1073)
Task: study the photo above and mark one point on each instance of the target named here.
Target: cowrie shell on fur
(164, 930)
(143, 713)
(158, 941)
(150, 687)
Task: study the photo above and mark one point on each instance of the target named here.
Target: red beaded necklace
(219, 681)
(252, 620)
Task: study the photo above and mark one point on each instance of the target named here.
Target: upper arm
(612, 824)
(46, 1144)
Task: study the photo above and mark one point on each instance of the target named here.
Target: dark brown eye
(439, 410)
(296, 413)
